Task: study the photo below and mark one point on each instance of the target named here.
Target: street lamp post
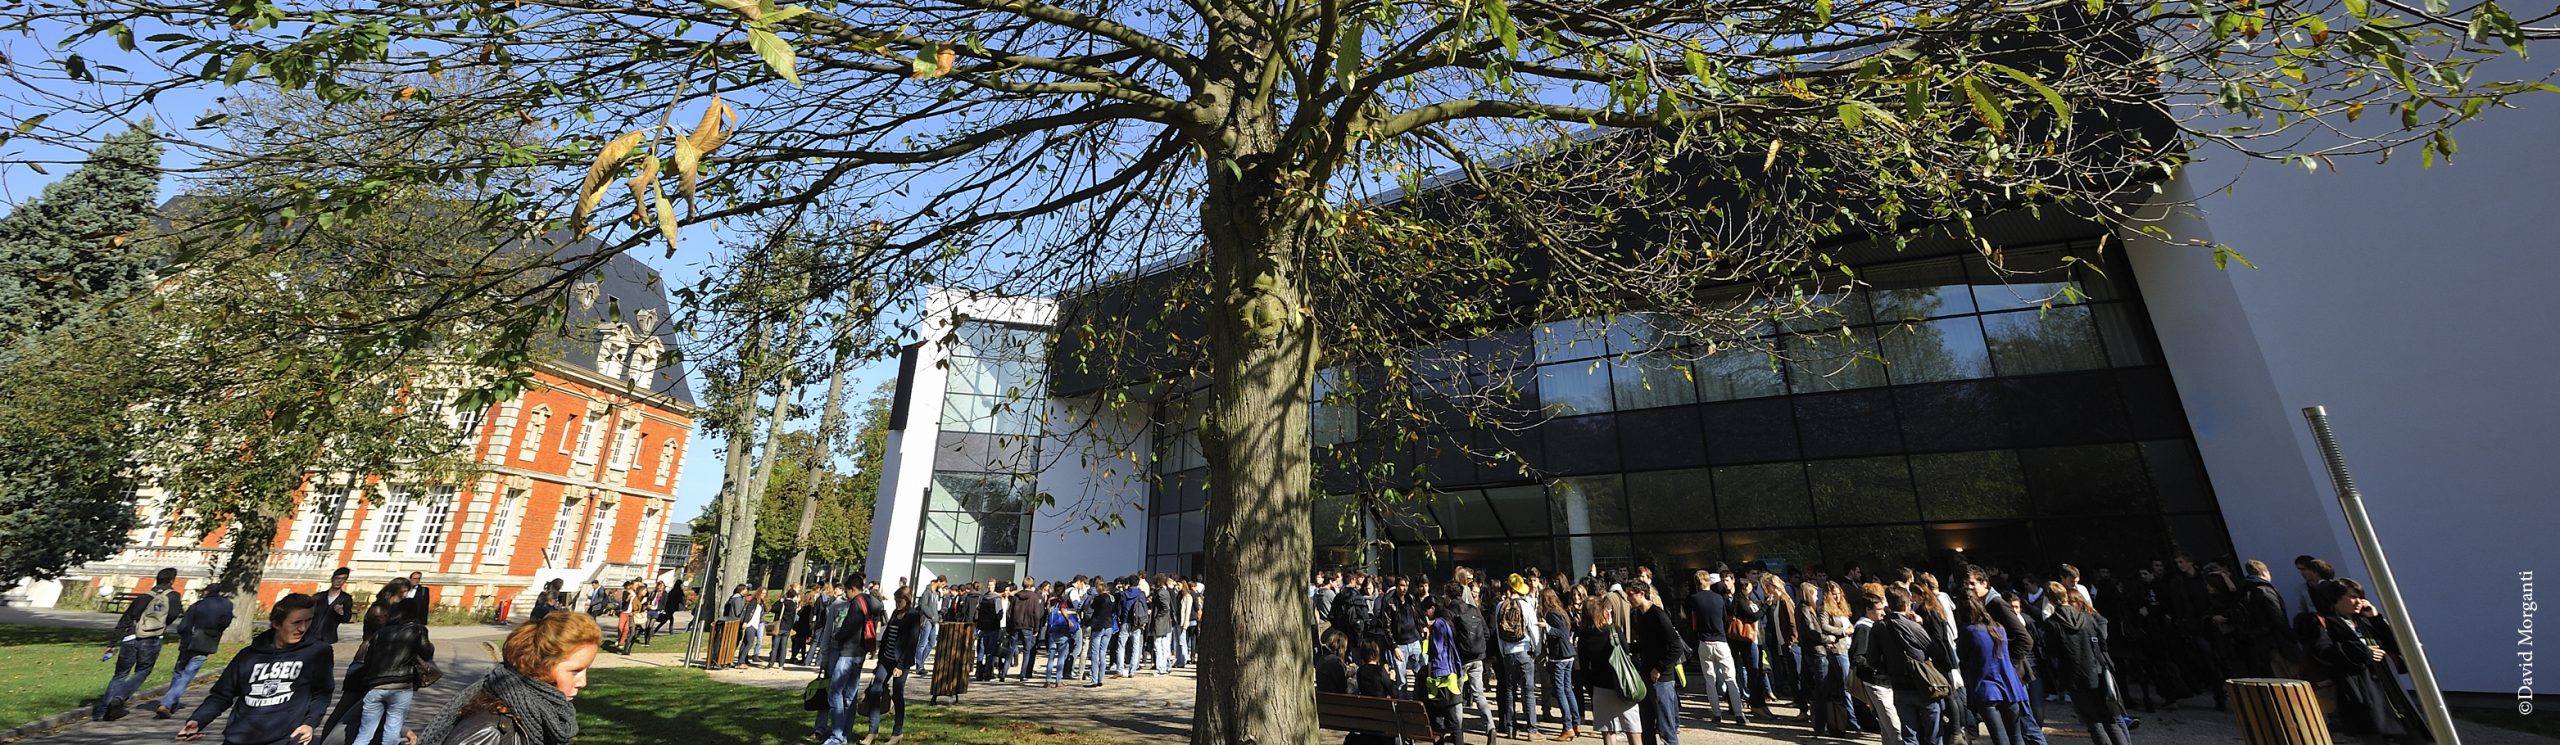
(2439, 718)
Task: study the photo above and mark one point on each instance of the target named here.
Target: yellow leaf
(408, 92)
(607, 162)
(1771, 161)
(942, 61)
(666, 217)
(647, 180)
(718, 120)
(688, 169)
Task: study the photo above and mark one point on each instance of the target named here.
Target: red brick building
(579, 478)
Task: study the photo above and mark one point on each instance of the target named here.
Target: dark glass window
(1983, 484)
(2032, 278)
(1931, 351)
(1582, 444)
(1781, 548)
(1852, 423)
(1750, 431)
(2064, 409)
(1661, 438)
(2028, 342)
(1955, 416)
(1465, 514)
(2121, 542)
(1587, 504)
(1875, 548)
(1579, 338)
(1523, 509)
(2177, 475)
(2151, 402)
(1863, 490)
(2088, 480)
(2201, 537)
(1920, 289)
(1667, 552)
(1834, 361)
(1571, 388)
(1646, 381)
(2116, 326)
(1738, 371)
(1659, 499)
(1771, 495)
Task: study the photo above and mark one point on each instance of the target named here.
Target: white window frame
(323, 508)
(502, 523)
(599, 533)
(558, 549)
(428, 540)
(589, 441)
(666, 461)
(504, 436)
(390, 522)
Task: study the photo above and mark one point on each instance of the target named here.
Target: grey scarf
(546, 715)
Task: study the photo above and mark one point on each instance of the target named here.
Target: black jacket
(1900, 639)
(391, 656)
(898, 640)
(1658, 647)
(271, 691)
(332, 613)
(420, 600)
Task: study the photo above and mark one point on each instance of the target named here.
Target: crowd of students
(1903, 657)
(281, 688)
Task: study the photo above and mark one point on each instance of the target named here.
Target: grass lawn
(659, 705)
(47, 670)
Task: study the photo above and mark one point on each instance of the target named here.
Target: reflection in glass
(1587, 504)
(1875, 548)
(1523, 509)
(1683, 498)
(1333, 412)
(1646, 381)
(1766, 495)
(1862, 490)
(2024, 279)
(1982, 484)
(2088, 480)
(2029, 342)
(1465, 514)
(1833, 361)
(1917, 290)
(1931, 351)
(1571, 339)
(1669, 552)
(1739, 371)
(1780, 548)
(1571, 388)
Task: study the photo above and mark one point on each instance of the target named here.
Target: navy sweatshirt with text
(270, 691)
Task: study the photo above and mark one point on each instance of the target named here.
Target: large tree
(69, 255)
(1627, 152)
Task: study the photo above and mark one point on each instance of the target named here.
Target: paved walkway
(77, 619)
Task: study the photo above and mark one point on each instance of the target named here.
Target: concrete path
(76, 619)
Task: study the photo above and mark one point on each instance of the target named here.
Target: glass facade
(2018, 414)
(980, 503)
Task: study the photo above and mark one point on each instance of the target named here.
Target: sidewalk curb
(58, 722)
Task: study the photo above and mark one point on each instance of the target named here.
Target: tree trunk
(1257, 675)
(829, 424)
(251, 540)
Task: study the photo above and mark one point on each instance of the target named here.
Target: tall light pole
(2439, 718)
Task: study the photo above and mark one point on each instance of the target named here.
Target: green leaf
(786, 13)
(2053, 98)
(1346, 51)
(1499, 11)
(2357, 8)
(776, 53)
(1851, 116)
(31, 123)
(1697, 62)
(1985, 106)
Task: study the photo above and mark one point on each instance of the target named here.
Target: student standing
(1659, 653)
(2348, 638)
(337, 606)
(2082, 666)
(275, 690)
(1993, 689)
(897, 658)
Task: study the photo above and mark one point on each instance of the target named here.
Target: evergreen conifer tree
(68, 251)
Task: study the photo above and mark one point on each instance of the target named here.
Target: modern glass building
(2153, 407)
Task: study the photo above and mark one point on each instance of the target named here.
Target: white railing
(191, 561)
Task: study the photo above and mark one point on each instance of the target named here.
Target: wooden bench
(1390, 716)
(122, 601)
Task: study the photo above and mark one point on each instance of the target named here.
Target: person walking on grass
(199, 635)
(528, 699)
(277, 690)
(137, 644)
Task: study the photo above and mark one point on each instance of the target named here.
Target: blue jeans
(1751, 671)
(750, 639)
(385, 711)
(931, 632)
(2030, 715)
(1100, 641)
(1786, 665)
(1568, 703)
(1027, 642)
(1519, 684)
(844, 688)
(1061, 652)
(1919, 718)
(2001, 719)
(134, 660)
(1126, 661)
(897, 701)
(1182, 647)
(1411, 662)
(184, 675)
(1835, 682)
(1661, 712)
(1164, 653)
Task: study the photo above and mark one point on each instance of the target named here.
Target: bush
(460, 617)
(77, 595)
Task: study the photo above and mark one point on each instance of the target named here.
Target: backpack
(1914, 674)
(155, 617)
(1467, 626)
(990, 610)
(1510, 623)
(1351, 613)
(1061, 623)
